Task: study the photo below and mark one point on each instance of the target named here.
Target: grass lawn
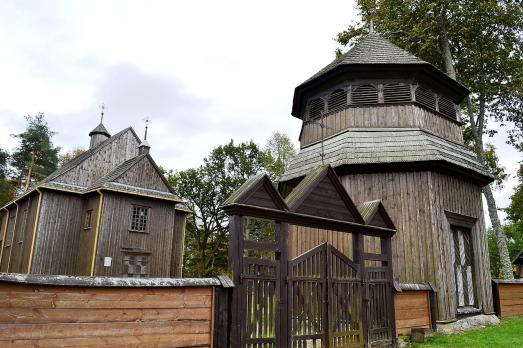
(508, 334)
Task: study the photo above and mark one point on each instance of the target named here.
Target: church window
(337, 100)
(139, 218)
(135, 265)
(88, 219)
(366, 94)
(447, 107)
(316, 107)
(396, 93)
(425, 97)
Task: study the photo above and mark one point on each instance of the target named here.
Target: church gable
(89, 167)
(375, 214)
(321, 194)
(144, 174)
(257, 191)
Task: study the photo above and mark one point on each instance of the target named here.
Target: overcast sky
(203, 71)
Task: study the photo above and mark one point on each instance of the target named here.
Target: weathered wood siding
(7, 245)
(180, 218)
(510, 299)
(103, 161)
(58, 239)
(416, 203)
(412, 310)
(23, 234)
(87, 235)
(382, 116)
(143, 174)
(45, 316)
(115, 237)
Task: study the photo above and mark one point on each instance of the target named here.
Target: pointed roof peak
(100, 129)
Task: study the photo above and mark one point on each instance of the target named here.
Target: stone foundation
(474, 322)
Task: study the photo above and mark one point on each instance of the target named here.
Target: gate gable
(321, 193)
(257, 191)
(375, 214)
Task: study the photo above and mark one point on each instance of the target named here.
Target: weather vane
(102, 112)
(147, 121)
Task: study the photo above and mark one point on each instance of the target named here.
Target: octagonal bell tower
(387, 122)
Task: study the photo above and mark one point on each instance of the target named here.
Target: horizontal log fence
(42, 311)
(508, 297)
(415, 306)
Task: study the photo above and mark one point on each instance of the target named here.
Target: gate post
(358, 248)
(386, 249)
(235, 230)
(283, 336)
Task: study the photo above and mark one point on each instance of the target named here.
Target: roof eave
(459, 91)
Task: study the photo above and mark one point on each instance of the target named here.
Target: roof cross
(102, 112)
(147, 121)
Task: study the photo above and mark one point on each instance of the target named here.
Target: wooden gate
(325, 300)
(321, 299)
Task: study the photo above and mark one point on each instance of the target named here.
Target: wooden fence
(414, 307)
(508, 297)
(46, 311)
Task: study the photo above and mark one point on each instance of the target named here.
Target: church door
(463, 266)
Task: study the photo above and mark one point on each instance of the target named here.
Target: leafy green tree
(7, 189)
(479, 43)
(66, 157)
(205, 189)
(279, 151)
(36, 157)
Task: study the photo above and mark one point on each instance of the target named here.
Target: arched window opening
(337, 100)
(366, 94)
(316, 107)
(396, 93)
(425, 97)
(447, 107)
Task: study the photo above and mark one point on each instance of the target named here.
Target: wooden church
(107, 212)
(387, 122)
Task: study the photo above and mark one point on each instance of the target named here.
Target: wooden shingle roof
(372, 49)
(378, 146)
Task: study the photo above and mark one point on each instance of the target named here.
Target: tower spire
(147, 121)
(102, 112)
(144, 146)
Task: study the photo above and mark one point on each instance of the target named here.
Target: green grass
(508, 334)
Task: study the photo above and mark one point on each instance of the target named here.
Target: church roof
(372, 49)
(375, 53)
(106, 181)
(385, 146)
(100, 129)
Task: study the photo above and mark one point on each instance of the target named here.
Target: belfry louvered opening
(396, 93)
(426, 97)
(447, 107)
(366, 94)
(337, 100)
(316, 107)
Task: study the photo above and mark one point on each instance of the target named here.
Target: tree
(479, 43)
(279, 151)
(7, 189)
(205, 189)
(36, 157)
(66, 157)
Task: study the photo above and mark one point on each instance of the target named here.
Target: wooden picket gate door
(325, 300)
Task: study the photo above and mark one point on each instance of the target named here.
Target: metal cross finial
(147, 123)
(102, 112)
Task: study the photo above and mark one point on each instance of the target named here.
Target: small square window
(139, 218)
(88, 218)
(135, 265)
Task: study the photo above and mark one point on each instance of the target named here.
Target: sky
(204, 72)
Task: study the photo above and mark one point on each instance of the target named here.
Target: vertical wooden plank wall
(178, 243)
(416, 203)
(115, 236)
(508, 297)
(40, 315)
(58, 238)
(412, 309)
(87, 235)
(382, 116)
